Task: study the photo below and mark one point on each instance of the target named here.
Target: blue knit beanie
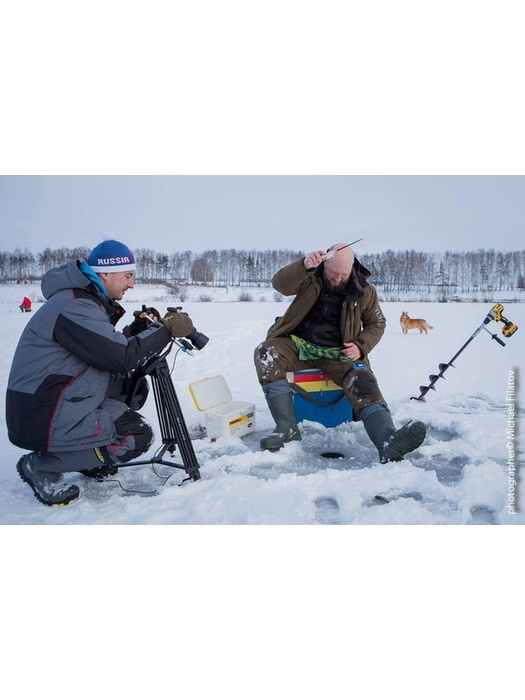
(111, 256)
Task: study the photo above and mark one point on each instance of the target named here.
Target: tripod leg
(173, 425)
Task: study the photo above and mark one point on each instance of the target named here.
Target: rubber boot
(393, 444)
(286, 430)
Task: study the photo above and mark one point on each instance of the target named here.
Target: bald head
(337, 269)
(343, 258)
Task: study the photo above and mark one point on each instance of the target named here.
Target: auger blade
(444, 366)
(433, 378)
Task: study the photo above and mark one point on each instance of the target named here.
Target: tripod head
(153, 363)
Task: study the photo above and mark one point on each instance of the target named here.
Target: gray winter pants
(134, 437)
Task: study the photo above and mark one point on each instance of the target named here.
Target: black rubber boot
(286, 430)
(48, 486)
(393, 444)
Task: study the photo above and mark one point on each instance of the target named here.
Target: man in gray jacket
(332, 324)
(68, 397)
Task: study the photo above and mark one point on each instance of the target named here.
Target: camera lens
(198, 340)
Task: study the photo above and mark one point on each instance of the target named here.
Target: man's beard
(334, 287)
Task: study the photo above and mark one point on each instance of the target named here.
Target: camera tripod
(172, 424)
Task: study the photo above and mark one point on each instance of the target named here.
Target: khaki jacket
(362, 321)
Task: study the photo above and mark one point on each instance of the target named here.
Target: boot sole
(275, 447)
(410, 442)
(66, 502)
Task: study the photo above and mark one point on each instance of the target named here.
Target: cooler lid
(210, 392)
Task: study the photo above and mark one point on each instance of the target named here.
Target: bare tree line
(392, 270)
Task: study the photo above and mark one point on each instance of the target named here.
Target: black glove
(143, 319)
(178, 323)
(137, 398)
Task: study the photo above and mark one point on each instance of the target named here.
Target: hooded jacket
(67, 362)
(362, 321)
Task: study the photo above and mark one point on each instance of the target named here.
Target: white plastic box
(224, 417)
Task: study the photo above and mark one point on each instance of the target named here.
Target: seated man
(26, 305)
(332, 324)
(68, 397)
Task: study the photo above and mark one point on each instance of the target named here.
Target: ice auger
(495, 314)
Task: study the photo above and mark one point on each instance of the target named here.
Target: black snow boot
(393, 444)
(286, 430)
(100, 473)
(48, 487)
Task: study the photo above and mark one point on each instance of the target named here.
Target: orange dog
(407, 323)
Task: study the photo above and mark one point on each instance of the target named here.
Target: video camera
(197, 340)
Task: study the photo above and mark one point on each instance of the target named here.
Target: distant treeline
(392, 270)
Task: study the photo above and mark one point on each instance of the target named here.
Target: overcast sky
(430, 213)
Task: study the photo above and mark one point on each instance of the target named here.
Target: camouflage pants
(274, 358)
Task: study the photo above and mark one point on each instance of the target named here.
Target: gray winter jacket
(64, 371)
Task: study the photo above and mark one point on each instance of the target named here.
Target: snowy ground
(458, 476)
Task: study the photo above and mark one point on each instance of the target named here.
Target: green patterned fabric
(310, 351)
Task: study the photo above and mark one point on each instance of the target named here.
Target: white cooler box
(224, 417)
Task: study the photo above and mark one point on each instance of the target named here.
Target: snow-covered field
(458, 476)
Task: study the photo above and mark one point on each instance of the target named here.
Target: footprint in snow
(327, 511)
(482, 515)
